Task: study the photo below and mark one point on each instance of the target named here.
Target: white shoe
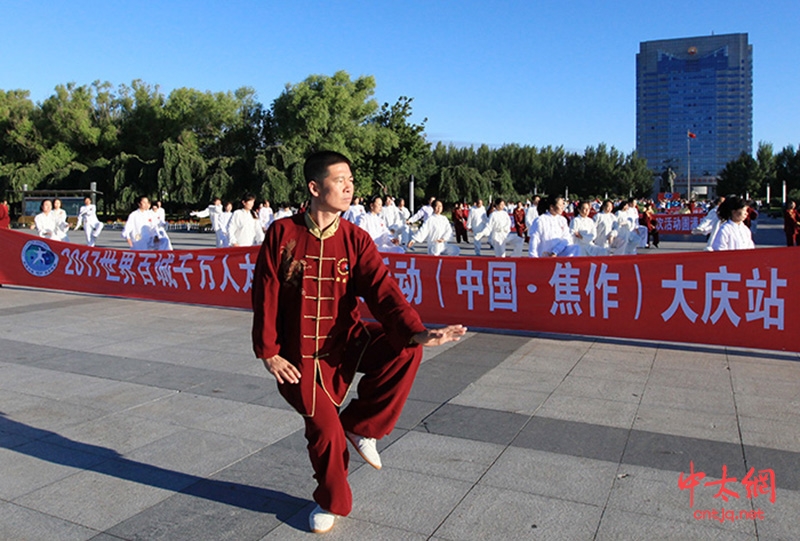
(320, 521)
(367, 448)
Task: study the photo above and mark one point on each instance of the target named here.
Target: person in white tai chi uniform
(550, 235)
(630, 235)
(606, 224)
(424, 212)
(710, 224)
(394, 219)
(284, 211)
(212, 212)
(143, 230)
(733, 234)
(61, 216)
(51, 225)
(373, 223)
(476, 222)
(436, 231)
(244, 228)
(584, 231)
(499, 231)
(224, 221)
(356, 209)
(403, 233)
(87, 217)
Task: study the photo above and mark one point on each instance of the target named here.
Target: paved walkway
(123, 419)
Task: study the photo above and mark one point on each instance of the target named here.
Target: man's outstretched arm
(437, 337)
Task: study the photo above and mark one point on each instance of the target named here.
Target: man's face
(144, 204)
(335, 192)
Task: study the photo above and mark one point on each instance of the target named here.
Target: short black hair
(316, 166)
(552, 200)
(731, 203)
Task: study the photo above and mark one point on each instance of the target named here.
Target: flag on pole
(691, 135)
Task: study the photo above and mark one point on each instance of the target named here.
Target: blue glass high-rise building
(702, 86)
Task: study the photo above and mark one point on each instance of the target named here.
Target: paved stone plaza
(124, 419)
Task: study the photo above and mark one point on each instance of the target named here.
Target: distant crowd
(549, 227)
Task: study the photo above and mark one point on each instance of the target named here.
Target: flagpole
(688, 166)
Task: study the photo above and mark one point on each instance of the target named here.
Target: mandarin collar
(321, 234)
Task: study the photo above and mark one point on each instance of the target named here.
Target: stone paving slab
(142, 420)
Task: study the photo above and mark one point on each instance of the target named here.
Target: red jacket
(5, 219)
(306, 286)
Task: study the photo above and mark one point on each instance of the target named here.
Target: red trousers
(382, 392)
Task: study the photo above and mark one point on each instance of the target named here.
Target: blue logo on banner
(38, 259)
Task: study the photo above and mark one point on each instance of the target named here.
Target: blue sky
(527, 72)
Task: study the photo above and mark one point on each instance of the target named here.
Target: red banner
(725, 298)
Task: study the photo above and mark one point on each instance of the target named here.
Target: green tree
(131, 177)
(81, 117)
(21, 140)
(634, 177)
(333, 113)
(407, 154)
(182, 170)
(740, 176)
(142, 122)
(458, 183)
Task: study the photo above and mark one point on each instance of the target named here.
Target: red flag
(691, 135)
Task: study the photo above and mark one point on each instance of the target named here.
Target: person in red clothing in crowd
(310, 272)
(651, 223)
(519, 221)
(5, 218)
(791, 223)
(751, 220)
(460, 213)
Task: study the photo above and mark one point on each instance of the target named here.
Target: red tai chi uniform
(305, 309)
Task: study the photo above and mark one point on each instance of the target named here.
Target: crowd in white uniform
(608, 232)
(395, 230)
(390, 226)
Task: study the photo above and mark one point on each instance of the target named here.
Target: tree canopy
(190, 146)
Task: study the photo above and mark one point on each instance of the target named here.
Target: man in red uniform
(306, 329)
